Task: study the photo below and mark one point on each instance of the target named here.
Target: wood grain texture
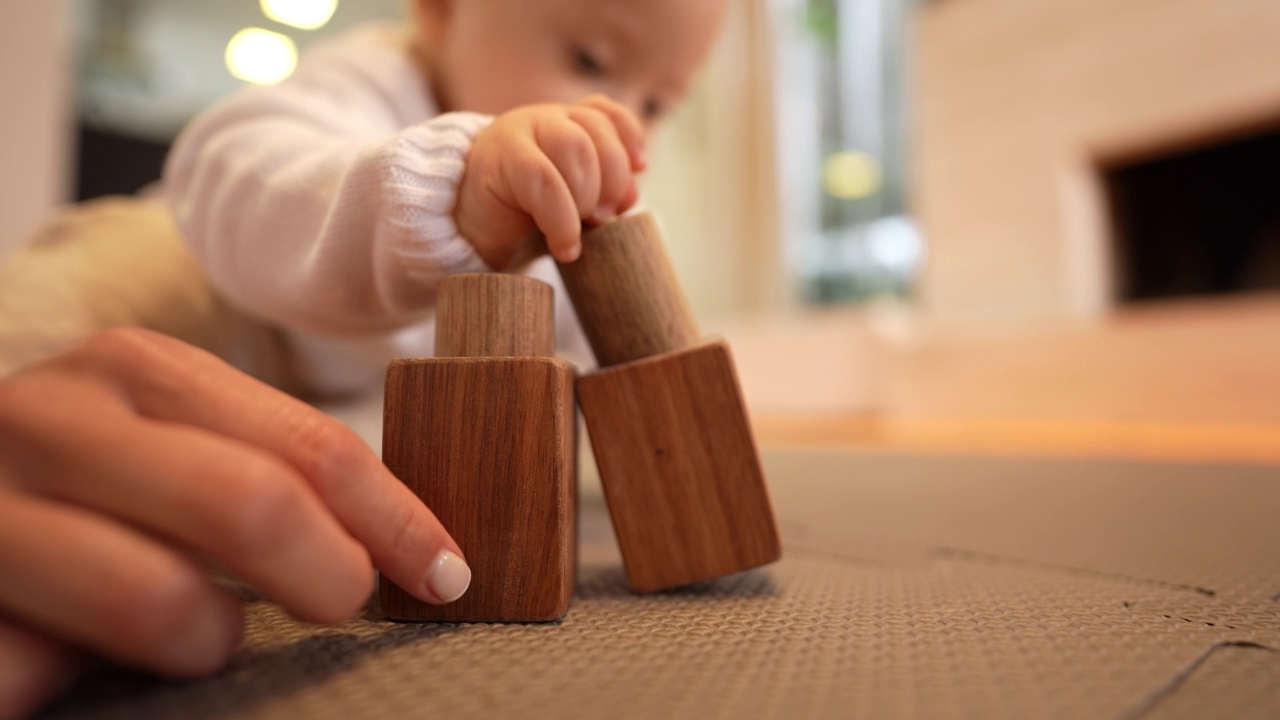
(495, 315)
(489, 446)
(626, 294)
(485, 435)
(679, 467)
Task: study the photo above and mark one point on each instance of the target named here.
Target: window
(841, 107)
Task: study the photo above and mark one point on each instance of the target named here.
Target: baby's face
(491, 56)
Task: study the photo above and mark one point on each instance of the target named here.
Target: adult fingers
(170, 381)
(616, 177)
(251, 512)
(33, 668)
(108, 588)
(630, 130)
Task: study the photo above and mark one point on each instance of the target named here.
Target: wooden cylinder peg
(495, 315)
(626, 294)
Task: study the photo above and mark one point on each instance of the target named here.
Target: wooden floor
(1023, 437)
(1186, 381)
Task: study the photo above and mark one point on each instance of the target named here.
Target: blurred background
(1048, 227)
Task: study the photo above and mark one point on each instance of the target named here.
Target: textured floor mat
(910, 587)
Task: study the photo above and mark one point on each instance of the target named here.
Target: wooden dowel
(495, 315)
(626, 294)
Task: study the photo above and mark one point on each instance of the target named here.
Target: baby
(334, 203)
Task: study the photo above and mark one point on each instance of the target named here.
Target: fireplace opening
(1199, 221)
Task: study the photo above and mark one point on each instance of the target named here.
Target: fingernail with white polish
(449, 577)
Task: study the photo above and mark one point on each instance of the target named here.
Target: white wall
(712, 181)
(35, 126)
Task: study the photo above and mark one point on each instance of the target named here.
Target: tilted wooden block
(668, 426)
(684, 483)
(489, 445)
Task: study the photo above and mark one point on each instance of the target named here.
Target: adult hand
(130, 461)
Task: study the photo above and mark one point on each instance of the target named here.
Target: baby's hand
(549, 168)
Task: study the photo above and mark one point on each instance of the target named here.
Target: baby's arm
(308, 207)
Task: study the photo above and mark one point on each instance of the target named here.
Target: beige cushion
(114, 262)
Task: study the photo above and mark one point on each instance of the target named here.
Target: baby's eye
(586, 63)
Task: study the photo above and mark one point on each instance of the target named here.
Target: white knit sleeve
(305, 211)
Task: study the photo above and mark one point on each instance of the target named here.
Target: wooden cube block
(486, 436)
(488, 444)
(679, 467)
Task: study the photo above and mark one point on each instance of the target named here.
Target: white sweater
(324, 205)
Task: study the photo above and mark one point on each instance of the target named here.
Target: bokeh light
(304, 14)
(261, 56)
(851, 175)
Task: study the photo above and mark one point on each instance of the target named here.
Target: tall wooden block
(488, 443)
(668, 426)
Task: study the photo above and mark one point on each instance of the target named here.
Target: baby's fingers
(627, 125)
(572, 150)
(538, 188)
(616, 178)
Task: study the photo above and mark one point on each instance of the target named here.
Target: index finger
(165, 379)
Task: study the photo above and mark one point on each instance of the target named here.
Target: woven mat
(910, 587)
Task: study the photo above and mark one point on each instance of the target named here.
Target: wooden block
(489, 444)
(667, 422)
(681, 474)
